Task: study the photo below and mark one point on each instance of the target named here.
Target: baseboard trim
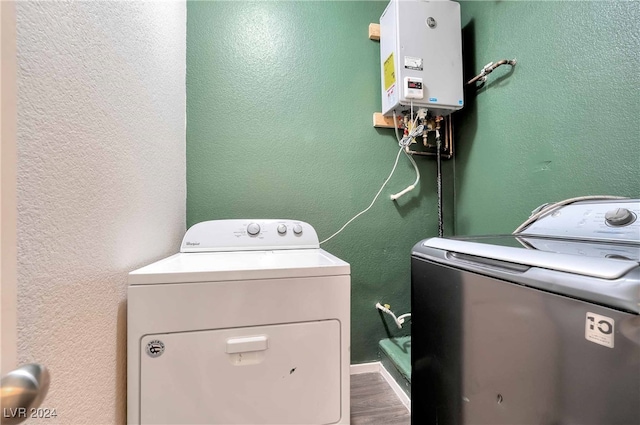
(402, 396)
(377, 367)
(373, 367)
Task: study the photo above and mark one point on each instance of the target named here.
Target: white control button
(253, 229)
(297, 229)
(282, 229)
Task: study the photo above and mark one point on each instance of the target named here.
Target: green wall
(280, 97)
(564, 123)
(279, 103)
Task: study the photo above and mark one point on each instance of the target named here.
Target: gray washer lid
(609, 282)
(602, 268)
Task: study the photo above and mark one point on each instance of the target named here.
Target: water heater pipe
(488, 69)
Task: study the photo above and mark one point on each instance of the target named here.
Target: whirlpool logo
(155, 348)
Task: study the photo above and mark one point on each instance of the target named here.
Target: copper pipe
(447, 153)
(447, 119)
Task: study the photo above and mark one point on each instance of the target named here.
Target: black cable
(439, 180)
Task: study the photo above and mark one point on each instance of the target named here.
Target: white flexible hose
(399, 320)
(410, 187)
(404, 143)
(402, 192)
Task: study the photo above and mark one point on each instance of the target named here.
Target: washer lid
(604, 273)
(240, 265)
(587, 258)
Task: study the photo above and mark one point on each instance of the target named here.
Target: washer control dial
(297, 229)
(619, 217)
(282, 229)
(253, 229)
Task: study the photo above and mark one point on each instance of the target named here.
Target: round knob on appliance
(253, 229)
(619, 217)
(282, 229)
(297, 229)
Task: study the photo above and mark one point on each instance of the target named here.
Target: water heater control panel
(413, 88)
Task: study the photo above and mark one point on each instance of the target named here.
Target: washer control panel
(619, 217)
(249, 235)
(612, 220)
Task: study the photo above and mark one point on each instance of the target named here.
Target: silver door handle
(23, 389)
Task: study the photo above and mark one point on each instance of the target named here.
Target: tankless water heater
(421, 56)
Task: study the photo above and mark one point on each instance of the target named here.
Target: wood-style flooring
(373, 402)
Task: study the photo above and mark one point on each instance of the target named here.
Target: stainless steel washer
(541, 327)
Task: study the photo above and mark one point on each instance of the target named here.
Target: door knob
(22, 389)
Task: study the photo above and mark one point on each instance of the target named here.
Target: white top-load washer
(248, 324)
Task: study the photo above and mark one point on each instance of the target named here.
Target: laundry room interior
(129, 123)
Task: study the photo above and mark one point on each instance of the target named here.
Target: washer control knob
(619, 217)
(282, 229)
(253, 229)
(297, 229)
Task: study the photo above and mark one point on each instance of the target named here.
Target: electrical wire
(372, 202)
(413, 124)
(395, 127)
(404, 145)
(547, 209)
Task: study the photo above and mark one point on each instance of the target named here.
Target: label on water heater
(413, 63)
(389, 72)
(599, 329)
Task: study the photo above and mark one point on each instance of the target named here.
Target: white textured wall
(101, 185)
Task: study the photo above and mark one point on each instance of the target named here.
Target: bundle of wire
(404, 146)
(403, 143)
